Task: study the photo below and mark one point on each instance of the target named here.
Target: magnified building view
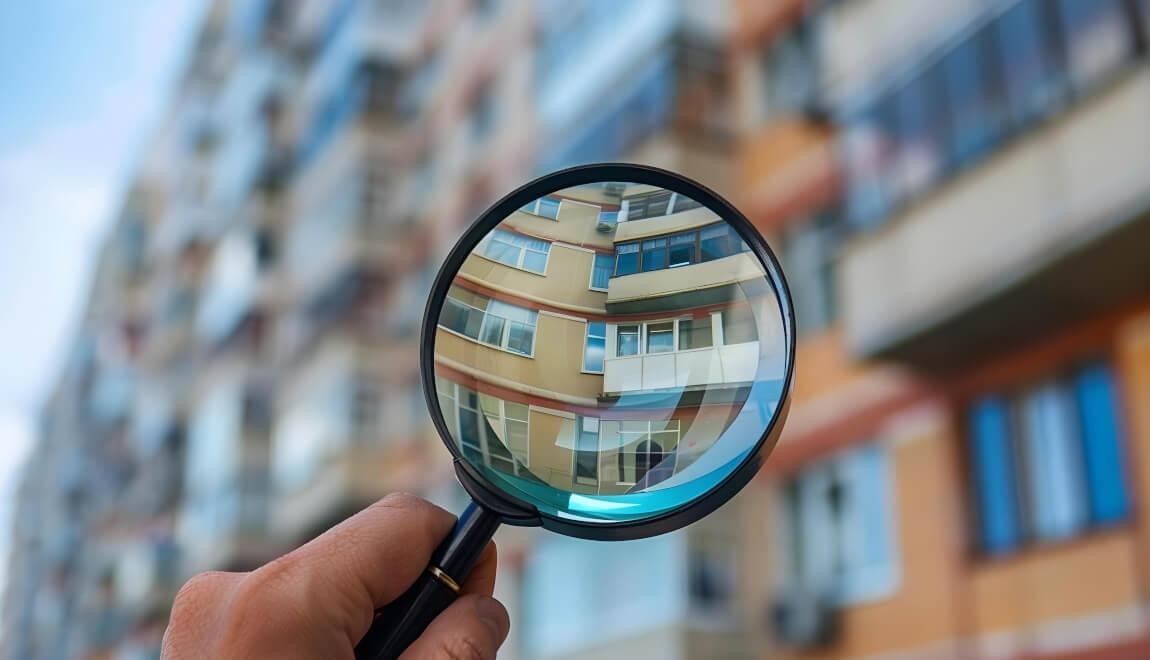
(608, 334)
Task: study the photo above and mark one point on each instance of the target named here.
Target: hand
(318, 601)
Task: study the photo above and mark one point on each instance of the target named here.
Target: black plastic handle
(403, 620)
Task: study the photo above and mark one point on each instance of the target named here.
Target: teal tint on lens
(610, 353)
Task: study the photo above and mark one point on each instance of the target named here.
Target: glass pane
(1102, 440)
(502, 251)
(976, 121)
(601, 270)
(650, 205)
(660, 337)
(695, 333)
(627, 259)
(1053, 463)
(520, 338)
(1029, 61)
(534, 261)
(739, 326)
(493, 330)
(683, 250)
(549, 208)
(627, 340)
(654, 255)
(1099, 39)
(715, 242)
(595, 348)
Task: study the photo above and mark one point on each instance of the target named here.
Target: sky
(82, 84)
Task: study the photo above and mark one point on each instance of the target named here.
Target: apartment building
(959, 476)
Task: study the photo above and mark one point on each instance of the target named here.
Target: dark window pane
(717, 241)
(654, 254)
(993, 473)
(549, 207)
(869, 151)
(1029, 61)
(601, 269)
(1102, 440)
(976, 102)
(1099, 39)
(921, 153)
(626, 259)
(695, 333)
(649, 205)
(684, 203)
(683, 250)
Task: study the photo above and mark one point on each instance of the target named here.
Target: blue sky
(82, 83)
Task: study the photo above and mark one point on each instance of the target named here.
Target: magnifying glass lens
(610, 352)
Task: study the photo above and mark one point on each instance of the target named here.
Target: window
(810, 254)
(838, 515)
(661, 337)
(492, 322)
(626, 259)
(739, 325)
(647, 451)
(1029, 61)
(512, 424)
(712, 242)
(595, 347)
(609, 218)
(484, 113)
(977, 115)
(654, 254)
(547, 207)
(1012, 71)
(601, 270)
(791, 73)
(476, 421)
(920, 115)
(518, 250)
(1047, 464)
(682, 250)
(587, 451)
(648, 205)
(627, 340)
(1099, 39)
(658, 203)
(718, 241)
(695, 333)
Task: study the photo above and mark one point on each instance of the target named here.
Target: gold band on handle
(444, 578)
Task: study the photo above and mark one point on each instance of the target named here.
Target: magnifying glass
(607, 353)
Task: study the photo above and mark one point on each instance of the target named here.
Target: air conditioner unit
(803, 619)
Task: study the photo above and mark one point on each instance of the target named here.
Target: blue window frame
(1058, 442)
(601, 269)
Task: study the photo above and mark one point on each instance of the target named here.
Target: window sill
(485, 344)
(1038, 549)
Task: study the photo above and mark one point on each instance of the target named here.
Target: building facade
(960, 476)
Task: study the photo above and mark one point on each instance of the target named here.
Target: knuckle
(402, 501)
(201, 588)
(462, 648)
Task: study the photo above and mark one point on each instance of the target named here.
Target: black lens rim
(525, 513)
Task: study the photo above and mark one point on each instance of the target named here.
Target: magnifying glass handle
(402, 621)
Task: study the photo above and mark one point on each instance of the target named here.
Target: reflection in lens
(609, 352)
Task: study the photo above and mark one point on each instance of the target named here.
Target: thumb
(471, 628)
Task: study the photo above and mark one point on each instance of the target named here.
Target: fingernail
(493, 615)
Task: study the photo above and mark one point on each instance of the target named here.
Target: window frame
(731, 249)
(586, 337)
(596, 256)
(505, 332)
(1019, 462)
(536, 206)
(522, 254)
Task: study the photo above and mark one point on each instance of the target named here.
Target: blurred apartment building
(244, 373)
(961, 192)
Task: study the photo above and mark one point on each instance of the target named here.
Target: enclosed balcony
(985, 237)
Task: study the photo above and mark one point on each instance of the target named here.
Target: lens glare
(609, 352)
